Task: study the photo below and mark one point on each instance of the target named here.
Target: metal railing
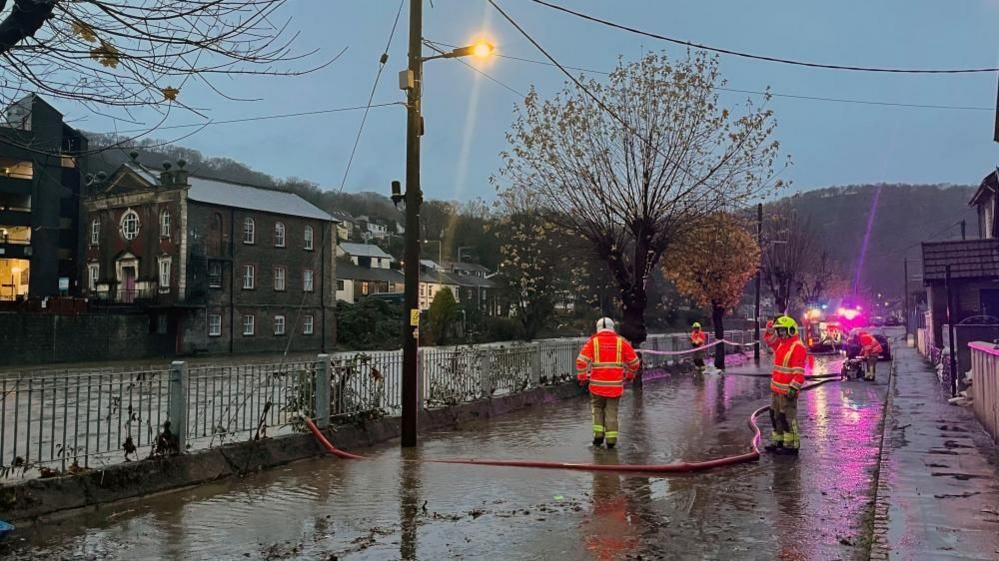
(75, 420)
(66, 420)
(985, 385)
(121, 295)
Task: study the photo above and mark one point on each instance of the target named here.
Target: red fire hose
(681, 467)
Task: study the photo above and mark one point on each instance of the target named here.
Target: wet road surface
(812, 507)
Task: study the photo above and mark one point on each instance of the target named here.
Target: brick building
(220, 266)
(40, 187)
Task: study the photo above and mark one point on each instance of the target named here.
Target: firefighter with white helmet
(606, 361)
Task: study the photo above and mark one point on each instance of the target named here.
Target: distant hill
(905, 216)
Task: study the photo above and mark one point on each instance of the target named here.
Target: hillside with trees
(905, 215)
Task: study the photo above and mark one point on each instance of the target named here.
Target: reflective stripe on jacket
(869, 346)
(607, 360)
(790, 356)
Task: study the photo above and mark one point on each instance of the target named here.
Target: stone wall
(28, 338)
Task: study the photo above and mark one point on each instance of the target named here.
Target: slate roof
(968, 259)
(364, 250)
(438, 277)
(473, 281)
(224, 193)
(145, 173)
(238, 195)
(349, 271)
(457, 266)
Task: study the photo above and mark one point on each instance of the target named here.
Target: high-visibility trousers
(872, 367)
(784, 417)
(604, 416)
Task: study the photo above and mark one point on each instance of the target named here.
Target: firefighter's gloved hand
(582, 381)
(792, 393)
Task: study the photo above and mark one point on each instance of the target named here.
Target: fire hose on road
(680, 467)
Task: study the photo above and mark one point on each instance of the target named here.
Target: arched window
(130, 225)
(165, 224)
(279, 234)
(249, 231)
(309, 237)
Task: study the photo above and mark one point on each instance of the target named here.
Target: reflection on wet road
(778, 508)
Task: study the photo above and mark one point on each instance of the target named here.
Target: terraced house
(220, 266)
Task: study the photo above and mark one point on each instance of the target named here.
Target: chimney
(180, 176)
(166, 176)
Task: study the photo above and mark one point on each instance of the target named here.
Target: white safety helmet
(605, 324)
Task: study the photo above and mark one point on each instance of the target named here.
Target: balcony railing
(118, 295)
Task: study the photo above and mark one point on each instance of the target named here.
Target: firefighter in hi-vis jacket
(698, 339)
(786, 380)
(606, 361)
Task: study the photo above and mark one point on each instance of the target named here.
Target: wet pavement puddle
(810, 507)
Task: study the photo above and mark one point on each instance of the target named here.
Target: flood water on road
(812, 507)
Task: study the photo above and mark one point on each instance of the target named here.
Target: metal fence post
(322, 406)
(178, 403)
(536, 366)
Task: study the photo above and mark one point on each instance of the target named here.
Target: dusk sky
(467, 116)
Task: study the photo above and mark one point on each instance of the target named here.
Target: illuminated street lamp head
(479, 49)
(482, 49)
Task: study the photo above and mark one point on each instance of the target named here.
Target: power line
(381, 67)
(269, 117)
(603, 106)
(764, 58)
(771, 93)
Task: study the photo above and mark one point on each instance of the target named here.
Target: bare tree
(657, 153)
(821, 279)
(137, 53)
(790, 246)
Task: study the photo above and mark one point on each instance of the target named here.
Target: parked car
(852, 346)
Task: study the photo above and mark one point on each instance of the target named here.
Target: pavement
(938, 493)
(817, 506)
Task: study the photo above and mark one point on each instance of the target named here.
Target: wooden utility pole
(412, 81)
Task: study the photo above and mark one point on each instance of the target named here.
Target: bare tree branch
(628, 164)
(143, 53)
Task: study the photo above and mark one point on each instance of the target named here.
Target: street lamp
(481, 49)
(411, 80)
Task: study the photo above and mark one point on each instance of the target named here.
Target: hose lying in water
(681, 467)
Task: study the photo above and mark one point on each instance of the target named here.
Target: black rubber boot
(772, 447)
(610, 445)
(598, 440)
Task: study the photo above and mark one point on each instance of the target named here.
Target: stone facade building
(221, 266)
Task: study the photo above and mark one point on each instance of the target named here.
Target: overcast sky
(467, 116)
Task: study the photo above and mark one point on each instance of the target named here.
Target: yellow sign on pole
(414, 318)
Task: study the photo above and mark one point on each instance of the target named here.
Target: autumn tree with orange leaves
(711, 264)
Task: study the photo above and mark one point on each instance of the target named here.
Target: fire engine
(821, 331)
